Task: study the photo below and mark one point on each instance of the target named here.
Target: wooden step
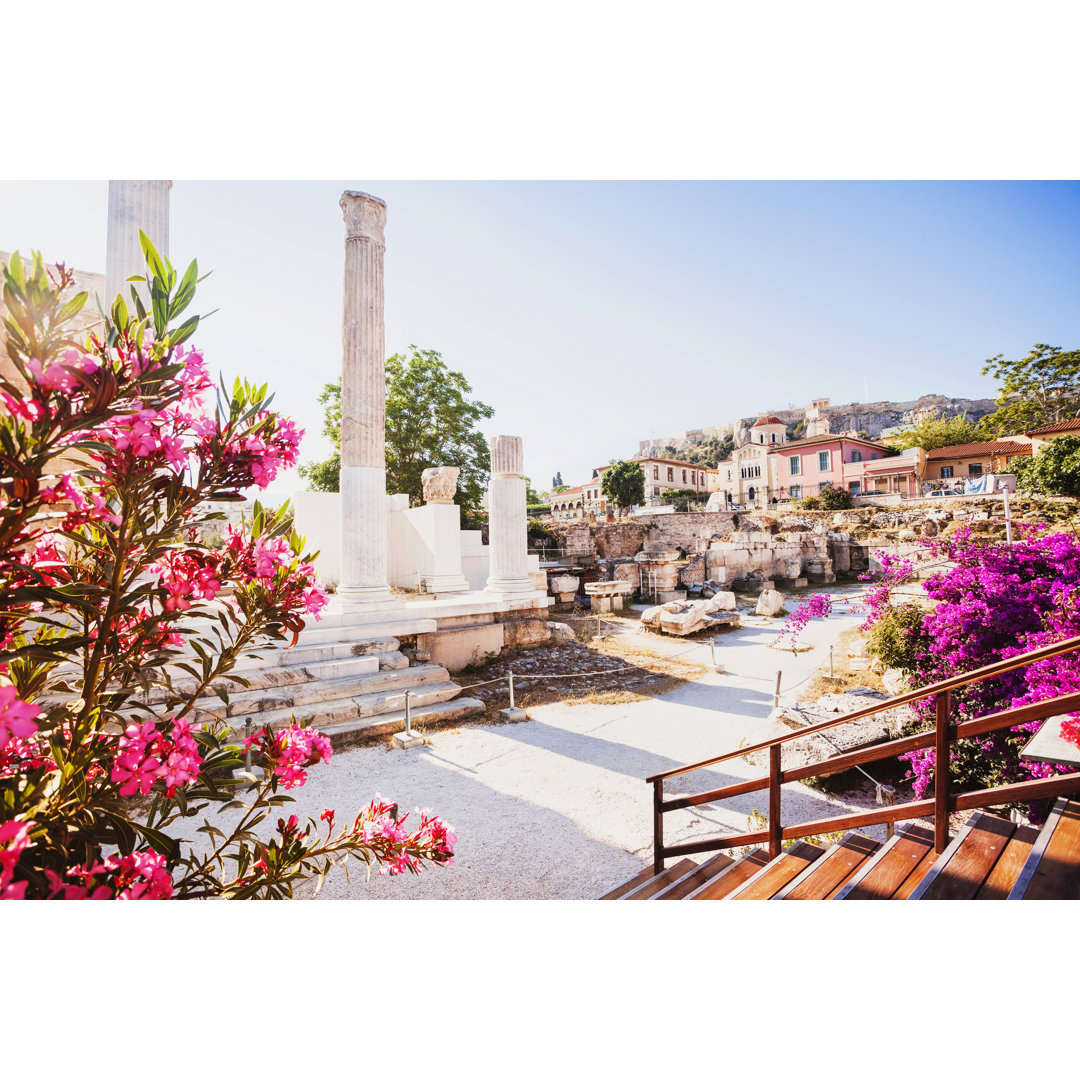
(960, 870)
(659, 881)
(899, 859)
(1007, 869)
(697, 877)
(770, 879)
(1052, 868)
(828, 875)
(621, 890)
(730, 879)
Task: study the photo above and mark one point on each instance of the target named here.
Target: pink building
(804, 467)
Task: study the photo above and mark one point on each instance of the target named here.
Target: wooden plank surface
(1007, 869)
(730, 879)
(827, 875)
(621, 890)
(888, 871)
(660, 881)
(685, 885)
(1055, 874)
(914, 879)
(966, 863)
(772, 878)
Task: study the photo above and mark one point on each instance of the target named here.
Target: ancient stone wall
(691, 532)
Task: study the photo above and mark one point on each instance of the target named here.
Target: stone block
(770, 602)
(458, 647)
(527, 631)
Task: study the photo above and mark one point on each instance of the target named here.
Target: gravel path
(556, 807)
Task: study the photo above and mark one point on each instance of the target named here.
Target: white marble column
(363, 409)
(508, 538)
(133, 205)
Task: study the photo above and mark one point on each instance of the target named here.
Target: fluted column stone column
(133, 205)
(508, 539)
(363, 408)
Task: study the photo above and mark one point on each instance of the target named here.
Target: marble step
(334, 712)
(295, 696)
(305, 655)
(423, 717)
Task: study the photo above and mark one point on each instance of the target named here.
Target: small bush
(897, 636)
(833, 498)
(811, 502)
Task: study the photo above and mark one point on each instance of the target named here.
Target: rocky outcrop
(873, 418)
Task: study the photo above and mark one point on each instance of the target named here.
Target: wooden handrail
(939, 807)
(1001, 667)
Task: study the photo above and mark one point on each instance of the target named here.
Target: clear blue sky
(591, 315)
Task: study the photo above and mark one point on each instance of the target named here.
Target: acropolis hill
(872, 417)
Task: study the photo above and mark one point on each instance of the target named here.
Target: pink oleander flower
(14, 840)
(16, 717)
(291, 751)
(147, 755)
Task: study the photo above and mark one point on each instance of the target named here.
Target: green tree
(1054, 470)
(933, 432)
(1040, 389)
(430, 420)
(623, 484)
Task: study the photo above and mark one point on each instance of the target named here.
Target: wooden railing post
(942, 740)
(775, 825)
(658, 826)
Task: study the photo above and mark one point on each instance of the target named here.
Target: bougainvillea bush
(999, 600)
(115, 619)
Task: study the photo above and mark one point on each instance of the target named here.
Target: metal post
(830, 662)
(408, 714)
(1008, 518)
(511, 677)
(658, 827)
(776, 694)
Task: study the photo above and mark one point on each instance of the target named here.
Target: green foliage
(1040, 389)
(711, 452)
(811, 502)
(933, 432)
(323, 475)
(559, 488)
(1054, 470)
(897, 636)
(540, 534)
(833, 498)
(623, 484)
(430, 421)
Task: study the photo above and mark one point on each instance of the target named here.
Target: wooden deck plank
(660, 881)
(1007, 869)
(621, 890)
(914, 879)
(827, 875)
(730, 879)
(685, 885)
(960, 870)
(882, 875)
(772, 878)
(1052, 869)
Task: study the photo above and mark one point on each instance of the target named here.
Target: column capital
(365, 217)
(506, 456)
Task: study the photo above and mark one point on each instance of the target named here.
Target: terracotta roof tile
(1054, 429)
(978, 449)
(762, 421)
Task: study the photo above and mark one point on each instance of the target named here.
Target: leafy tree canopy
(933, 432)
(1054, 470)
(1040, 389)
(624, 484)
(430, 420)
